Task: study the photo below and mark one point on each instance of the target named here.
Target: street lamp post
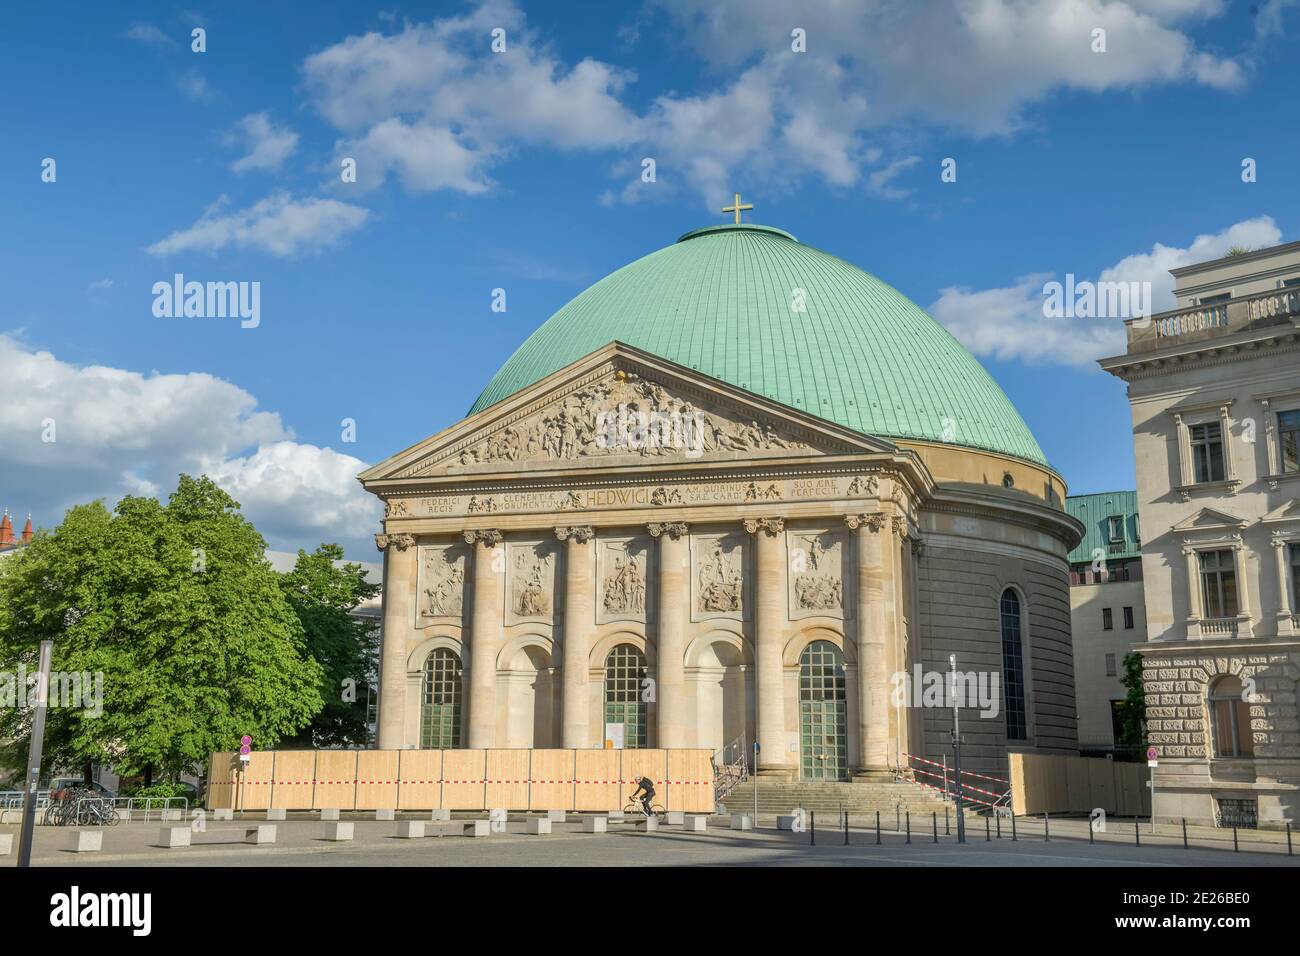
(956, 751)
(34, 756)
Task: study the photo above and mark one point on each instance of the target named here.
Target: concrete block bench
(89, 841)
(261, 834)
(174, 837)
(676, 818)
(277, 814)
(649, 825)
(170, 816)
(478, 828)
(742, 821)
(338, 831)
(594, 825)
(556, 816)
(410, 830)
(440, 816)
(223, 813)
(696, 824)
(6, 844)
(539, 826)
(786, 822)
(386, 815)
(329, 814)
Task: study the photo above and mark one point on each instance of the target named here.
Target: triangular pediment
(1208, 519)
(621, 406)
(1287, 511)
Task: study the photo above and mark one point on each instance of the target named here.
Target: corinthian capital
(580, 533)
(769, 526)
(674, 529)
(872, 522)
(399, 541)
(490, 537)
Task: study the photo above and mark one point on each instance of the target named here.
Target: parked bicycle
(80, 809)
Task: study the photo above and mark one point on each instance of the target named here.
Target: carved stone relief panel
(530, 581)
(623, 573)
(441, 582)
(720, 574)
(816, 576)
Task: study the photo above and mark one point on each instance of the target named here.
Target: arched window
(440, 701)
(625, 669)
(1013, 667)
(823, 713)
(1230, 719)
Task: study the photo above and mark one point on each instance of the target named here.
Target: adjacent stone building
(1107, 613)
(1214, 387)
(732, 493)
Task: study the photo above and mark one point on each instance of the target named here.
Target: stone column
(875, 614)
(579, 622)
(676, 725)
(1194, 613)
(769, 624)
(484, 638)
(1245, 619)
(399, 617)
(1284, 622)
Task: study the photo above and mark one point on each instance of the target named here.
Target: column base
(873, 776)
(779, 773)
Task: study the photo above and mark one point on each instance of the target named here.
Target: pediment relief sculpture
(622, 415)
(721, 587)
(444, 583)
(624, 589)
(816, 566)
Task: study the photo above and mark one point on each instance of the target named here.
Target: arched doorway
(625, 669)
(823, 713)
(719, 684)
(440, 701)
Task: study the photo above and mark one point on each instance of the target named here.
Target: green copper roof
(719, 300)
(1095, 512)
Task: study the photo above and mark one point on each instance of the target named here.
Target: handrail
(730, 767)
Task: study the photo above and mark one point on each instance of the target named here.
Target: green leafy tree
(178, 610)
(324, 594)
(1133, 709)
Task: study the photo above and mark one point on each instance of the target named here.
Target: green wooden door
(823, 713)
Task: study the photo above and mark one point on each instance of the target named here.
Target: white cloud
(433, 106)
(1008, 323)
(122, 432)
(193, 85)
(267, 145)
(279, 224)
(149, 34)
(100, 285)
(881, 179)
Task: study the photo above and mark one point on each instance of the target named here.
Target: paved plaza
(301, 842)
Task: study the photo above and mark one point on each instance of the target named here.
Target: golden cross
(737, 207)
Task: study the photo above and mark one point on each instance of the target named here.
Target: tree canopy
(176, 606)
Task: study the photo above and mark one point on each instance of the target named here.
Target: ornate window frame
(1284, 525)
(1272, 404)
(1222, 533)
(1185, 416)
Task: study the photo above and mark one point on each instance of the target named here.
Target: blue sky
(520, 170)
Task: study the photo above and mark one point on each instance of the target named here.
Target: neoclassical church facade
(739, 491)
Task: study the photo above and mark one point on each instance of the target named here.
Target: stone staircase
(776, 796)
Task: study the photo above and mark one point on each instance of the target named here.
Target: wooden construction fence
(594, 780)
(1047, 783)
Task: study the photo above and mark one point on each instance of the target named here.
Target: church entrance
(823, 713)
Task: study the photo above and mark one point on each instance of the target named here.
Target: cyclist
(645, 785)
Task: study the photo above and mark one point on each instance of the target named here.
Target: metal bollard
(898, 824)
(846, 828)
(998, 823)
(1288, 839)
(1184, 833)
(1137, 836)
(812, 828)
(877, 828)
(934, 821)
(947, 823)
(1234, 839)
(986, 830)
(1047, 829)
(1090, 840)
(909, 826)
(1013, 826)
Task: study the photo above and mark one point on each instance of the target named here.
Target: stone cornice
(1205, 353)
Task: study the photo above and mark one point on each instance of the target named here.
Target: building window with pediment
(1294, 551)
(1207, 452)
(1288, 441)
(1218, 584)
(625, 671)
(1230, 719)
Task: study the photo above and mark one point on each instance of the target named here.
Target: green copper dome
(722, 300)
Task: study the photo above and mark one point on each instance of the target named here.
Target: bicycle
(656, 810)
